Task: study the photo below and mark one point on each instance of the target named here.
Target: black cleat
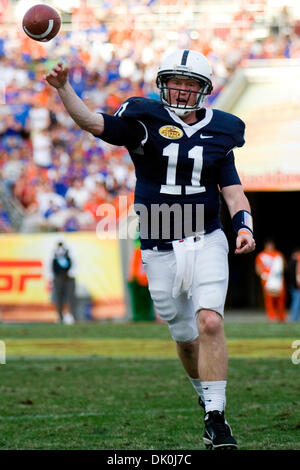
(217, 432)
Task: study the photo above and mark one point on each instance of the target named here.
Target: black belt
(167, 246)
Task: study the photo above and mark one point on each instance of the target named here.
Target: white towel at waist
(185, 251)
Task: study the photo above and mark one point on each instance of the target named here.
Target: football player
(183, 157)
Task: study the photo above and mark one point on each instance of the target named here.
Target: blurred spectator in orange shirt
(269, 266)
(96, 198)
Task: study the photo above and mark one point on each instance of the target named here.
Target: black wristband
(242, 219)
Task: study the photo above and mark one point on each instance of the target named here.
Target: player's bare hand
(58, 75)
(245, 243)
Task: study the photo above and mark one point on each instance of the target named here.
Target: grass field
(120, 386)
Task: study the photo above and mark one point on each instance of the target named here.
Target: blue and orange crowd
(59, 174)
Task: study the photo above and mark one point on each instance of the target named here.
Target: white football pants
(186, 280)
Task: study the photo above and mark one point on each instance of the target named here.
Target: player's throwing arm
(79, 112)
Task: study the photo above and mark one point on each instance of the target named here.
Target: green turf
(134, 403)
(141, 330)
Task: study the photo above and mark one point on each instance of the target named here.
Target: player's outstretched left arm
(240, 211)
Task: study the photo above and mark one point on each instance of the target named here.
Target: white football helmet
(185, 64)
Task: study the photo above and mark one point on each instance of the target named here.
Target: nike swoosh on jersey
(206, 136)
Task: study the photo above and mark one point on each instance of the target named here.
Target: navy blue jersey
(176, 163)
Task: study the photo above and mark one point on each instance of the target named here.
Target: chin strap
(180, 112)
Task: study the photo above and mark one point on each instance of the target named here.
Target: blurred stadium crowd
(57, 175)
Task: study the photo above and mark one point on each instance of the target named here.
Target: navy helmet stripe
(184, 57)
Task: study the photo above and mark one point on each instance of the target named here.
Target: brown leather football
(41, 23)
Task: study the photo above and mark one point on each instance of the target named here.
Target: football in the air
(41, 23)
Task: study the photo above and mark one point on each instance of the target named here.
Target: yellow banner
(25, 272)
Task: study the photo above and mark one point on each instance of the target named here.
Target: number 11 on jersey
(172, 152)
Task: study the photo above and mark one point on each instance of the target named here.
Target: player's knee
(209, 322)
